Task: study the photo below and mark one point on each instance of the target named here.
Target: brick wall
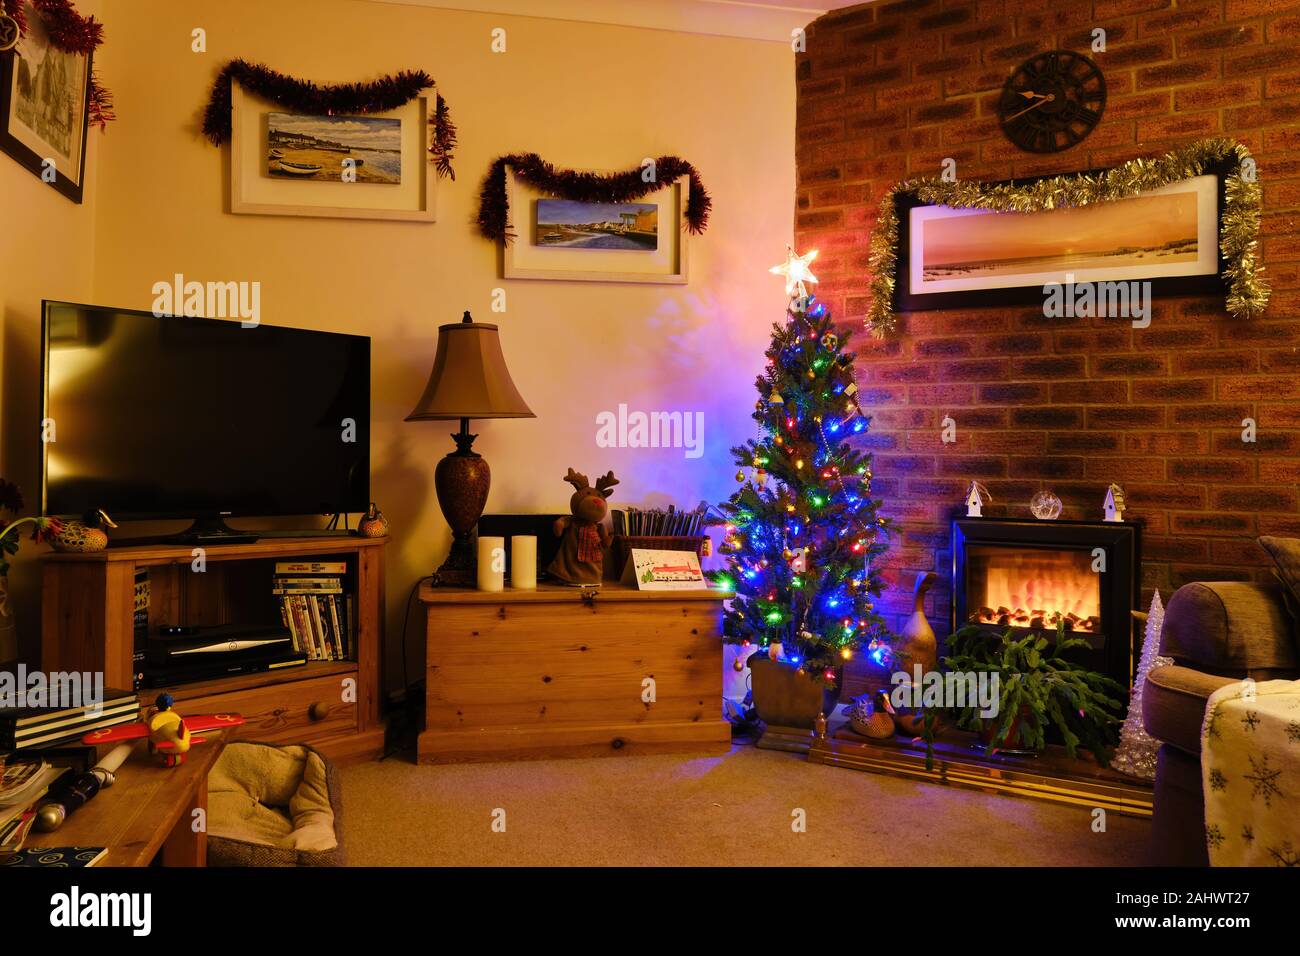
(887, 91)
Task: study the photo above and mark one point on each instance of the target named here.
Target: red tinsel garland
(70, 32)
(303, 96)
(494, 211)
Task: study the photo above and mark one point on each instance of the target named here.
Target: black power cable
(406, 677)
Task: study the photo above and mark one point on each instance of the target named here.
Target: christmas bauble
(740, 476)
(830, 341)
(1045, 506)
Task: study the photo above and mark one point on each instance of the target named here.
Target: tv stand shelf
(87, 624)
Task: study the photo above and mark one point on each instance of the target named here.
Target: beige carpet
(733, 810)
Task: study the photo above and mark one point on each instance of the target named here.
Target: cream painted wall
(581, 95)
(47, 251)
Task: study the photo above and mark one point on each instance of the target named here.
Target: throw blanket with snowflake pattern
(1250, 771)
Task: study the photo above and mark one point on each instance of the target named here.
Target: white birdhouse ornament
(1114, 504)
(976, 497)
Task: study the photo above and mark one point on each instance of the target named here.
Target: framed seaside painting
(357, 167)
(44, 103)
(958, 258)
(640, 241)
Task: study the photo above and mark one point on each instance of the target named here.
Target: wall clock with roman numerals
(1052, 101)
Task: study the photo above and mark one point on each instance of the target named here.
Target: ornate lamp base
(460, 570)
(461, 479)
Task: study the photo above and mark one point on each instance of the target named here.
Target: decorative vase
(917, 645)
(786, 696)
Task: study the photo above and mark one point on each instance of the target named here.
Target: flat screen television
(174, 417)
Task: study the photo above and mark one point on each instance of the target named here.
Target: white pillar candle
(491, 563)
(523, 562)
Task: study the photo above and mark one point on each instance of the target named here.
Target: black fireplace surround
(1033, 570)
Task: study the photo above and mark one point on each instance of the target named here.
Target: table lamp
(469, 380)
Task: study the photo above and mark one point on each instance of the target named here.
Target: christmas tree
(802, 533)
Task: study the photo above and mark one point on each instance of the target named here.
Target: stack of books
(315, 609)
(31, 728)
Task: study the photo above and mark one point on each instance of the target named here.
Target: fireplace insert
(1027, 574)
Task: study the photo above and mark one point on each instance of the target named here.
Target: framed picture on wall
(355, 167)
(44, 103)
(640, 241)
(961, 258)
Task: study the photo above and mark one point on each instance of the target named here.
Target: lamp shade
(469, 377)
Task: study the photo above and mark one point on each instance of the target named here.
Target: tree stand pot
(1012, 748)
(785, 696)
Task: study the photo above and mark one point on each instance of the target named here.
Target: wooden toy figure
(581, 558)
(170, 734)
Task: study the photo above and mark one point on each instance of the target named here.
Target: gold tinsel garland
(1247, 290)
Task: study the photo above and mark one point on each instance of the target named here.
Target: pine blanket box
(569, 672)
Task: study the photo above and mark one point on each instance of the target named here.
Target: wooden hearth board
(1052, 776)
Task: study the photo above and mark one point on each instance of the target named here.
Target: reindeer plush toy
(581, 557)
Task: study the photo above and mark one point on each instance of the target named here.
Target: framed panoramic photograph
(570, 224)
(328, 148)
(641, 241)
(44, 102)
(358, 167)
(957, 258)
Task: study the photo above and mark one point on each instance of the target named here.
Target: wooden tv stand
(87, 624)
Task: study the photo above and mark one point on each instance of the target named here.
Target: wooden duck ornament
(85, 536)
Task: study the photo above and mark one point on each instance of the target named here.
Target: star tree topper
(796, 272)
